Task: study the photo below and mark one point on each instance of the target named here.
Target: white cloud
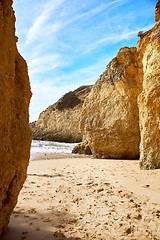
(44, 59)
(36, 28)
(66, 33)
(46, 63)
(42, 64)
(115, 38)
(40, 28)
(94, 11)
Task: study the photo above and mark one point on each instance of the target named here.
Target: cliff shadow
(25, 225)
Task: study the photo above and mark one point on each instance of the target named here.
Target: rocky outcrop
(149, 99)
(15, 133)
(82, 148)
(109, 119)
(60, 121)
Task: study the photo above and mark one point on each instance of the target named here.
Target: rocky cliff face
(15, 133)
(149, 99)
(157, 13)
(60, 121)
(109, 119)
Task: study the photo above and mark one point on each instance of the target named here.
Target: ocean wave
(51, 147)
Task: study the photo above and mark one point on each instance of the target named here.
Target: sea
(39, 146)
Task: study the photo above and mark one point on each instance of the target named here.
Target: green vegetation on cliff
(69, 100)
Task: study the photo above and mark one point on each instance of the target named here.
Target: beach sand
(72, 197)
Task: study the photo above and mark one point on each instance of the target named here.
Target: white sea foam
(51, 147)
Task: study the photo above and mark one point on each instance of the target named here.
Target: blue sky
(68, 43)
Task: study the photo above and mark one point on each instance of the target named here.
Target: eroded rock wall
(15, 133)
(149, 99)
(109, 119)
(60, 121)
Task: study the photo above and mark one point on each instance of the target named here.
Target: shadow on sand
(40, 226)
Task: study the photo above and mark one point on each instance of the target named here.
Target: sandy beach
(72, 197)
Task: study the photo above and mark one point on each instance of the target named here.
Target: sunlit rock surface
(149, 99)
(15, 133)
(109, 119)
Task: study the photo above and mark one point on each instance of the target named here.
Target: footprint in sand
(32, 211)
(37, 229)
(33, 182)
(24, 235)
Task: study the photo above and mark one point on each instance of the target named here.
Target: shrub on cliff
(69, 100)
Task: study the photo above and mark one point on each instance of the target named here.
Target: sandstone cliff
(109, 119)
(157, 12)
(60, 121)
(15, 133)
(149, 99)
